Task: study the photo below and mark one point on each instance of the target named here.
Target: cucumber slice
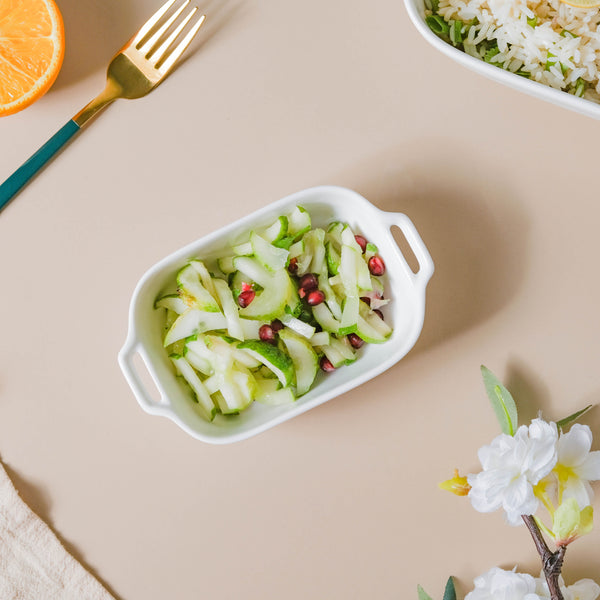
(321, 338)
(200, 363)
(271, 257)
(342, 345)
(190, 286)
(276, 397)
(297, 249)
(350, 315)
(306, 330)
(315, 240)
(325, 319)
(348, 239)
(237, 397)
(294, 304)
(205, 276)
(272, 357)
(277, 231)
(330, 297)
(243, 249)
(299, 222)
(336, 358)
(205, 403)
(270, 303)
(225, 265)
(333, 258)
(251, 328)
(253, 269)
(372, 329)
(230, 309)
(306, 362)
(172, 302)
(194, 321)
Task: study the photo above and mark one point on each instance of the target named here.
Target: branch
(552, 562)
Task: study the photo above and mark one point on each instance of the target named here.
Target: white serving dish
(416, 12)
(325, 204)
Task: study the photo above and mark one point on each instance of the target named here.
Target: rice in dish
(546, 40)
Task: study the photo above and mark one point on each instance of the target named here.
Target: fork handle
(30, 167)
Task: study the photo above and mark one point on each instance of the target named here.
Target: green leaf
(450, 591)
(571, 418)
(423, 595)
(502, 402)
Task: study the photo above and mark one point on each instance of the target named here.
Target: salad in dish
(263, 319)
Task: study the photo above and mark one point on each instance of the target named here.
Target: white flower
(498, 584)
(584, 589)
(576, 465)
(512, 465)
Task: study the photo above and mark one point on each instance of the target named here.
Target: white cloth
(33, 563)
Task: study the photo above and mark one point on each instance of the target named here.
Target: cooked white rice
(529, 47)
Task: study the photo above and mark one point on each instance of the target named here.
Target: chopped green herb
(490, 53)
(567, 33)
(437, 24)
(580, 86)
(552, 60)
(456, 32)
(435, 5)
(522, 73)
(532, 22)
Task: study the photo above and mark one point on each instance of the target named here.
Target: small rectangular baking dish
(405, 313)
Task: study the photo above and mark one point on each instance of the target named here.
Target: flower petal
(519, 499)
(574, 445)
(585, 589)
(579, 489)
(590, 468)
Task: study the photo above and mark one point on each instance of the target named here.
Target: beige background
(341, 502)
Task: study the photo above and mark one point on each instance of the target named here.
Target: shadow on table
(38, 500)
(95, 31)
(469, 219)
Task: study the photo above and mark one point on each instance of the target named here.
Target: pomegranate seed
(315, 297)
(309, 282)
(246, 287)
(355, 341)
(361, 241)
(301, 292)
(246, 297)
(276, 325)
(366, 300)
(293, 265)
(266, 334)
(378, 313)
(326, 365)
(376, 265)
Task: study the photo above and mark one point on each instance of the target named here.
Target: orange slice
(32, 47)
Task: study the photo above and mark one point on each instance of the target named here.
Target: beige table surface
(341, 502)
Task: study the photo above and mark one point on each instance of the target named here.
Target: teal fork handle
(28, 169)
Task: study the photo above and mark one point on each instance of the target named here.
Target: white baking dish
(416, 12)
(325, 204)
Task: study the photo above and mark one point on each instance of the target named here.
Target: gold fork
(135, 71)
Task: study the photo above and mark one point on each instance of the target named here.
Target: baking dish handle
(426, 268)
(140, 391)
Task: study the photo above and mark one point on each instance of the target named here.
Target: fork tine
(152, 21)
(159, 53)
(146, 48)
(178, 50)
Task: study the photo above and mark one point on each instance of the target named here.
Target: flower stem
(552, 562)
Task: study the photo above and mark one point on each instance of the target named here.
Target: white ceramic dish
(416, 12)
(325, 204)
